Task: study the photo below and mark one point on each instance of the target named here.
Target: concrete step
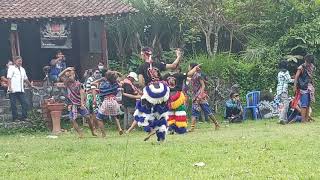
(4, 102)
(5, 118)
(5, 110)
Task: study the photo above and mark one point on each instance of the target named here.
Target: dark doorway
(5, 52)
(35, 57)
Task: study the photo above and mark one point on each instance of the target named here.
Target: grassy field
(252, 150)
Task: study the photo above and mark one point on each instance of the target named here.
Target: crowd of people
(155, 97)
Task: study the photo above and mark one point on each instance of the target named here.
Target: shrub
(225, 70)
(36, 124)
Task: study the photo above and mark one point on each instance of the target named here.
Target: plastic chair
(253, 99)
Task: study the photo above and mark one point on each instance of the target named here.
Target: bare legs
(133, 125)
(215, 122)
(211, 117)
(102, 128)
(193, 123)
(77, 128)
(118, 125)
(91, 125)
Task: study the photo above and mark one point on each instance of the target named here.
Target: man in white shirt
(16, 77)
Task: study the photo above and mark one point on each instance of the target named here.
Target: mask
(97, 75)
(100, 67)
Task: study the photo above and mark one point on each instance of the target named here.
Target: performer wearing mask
(152, 110)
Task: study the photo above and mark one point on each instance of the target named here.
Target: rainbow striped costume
(177, 113)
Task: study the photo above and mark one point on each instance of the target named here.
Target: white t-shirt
(18, 76)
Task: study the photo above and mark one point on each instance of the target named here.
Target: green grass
(252, 150)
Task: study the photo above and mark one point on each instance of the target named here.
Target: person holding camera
(58, 64)
(234, 108)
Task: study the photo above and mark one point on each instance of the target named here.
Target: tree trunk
(138, 41)
(154, 41)
(216, 41)
(208, 43)
(231, 42)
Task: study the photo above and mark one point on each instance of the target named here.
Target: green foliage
(134, 62)
(250, 75)
(115, 65)
(302, 38)
(35, 125)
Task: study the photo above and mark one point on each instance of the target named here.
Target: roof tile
(27, 9)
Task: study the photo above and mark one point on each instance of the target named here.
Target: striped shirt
(74, 93)
(106, 89)
(88, 85)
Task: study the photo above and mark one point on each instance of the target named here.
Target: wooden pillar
(104, 42)
(14, 43)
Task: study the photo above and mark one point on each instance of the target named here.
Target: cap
(133, 75)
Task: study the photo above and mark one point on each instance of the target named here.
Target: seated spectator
(58, 64)
(234, 108)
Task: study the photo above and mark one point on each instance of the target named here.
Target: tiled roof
(37, 9)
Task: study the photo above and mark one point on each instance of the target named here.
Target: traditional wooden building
(36, 29)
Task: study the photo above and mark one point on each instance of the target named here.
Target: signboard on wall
(56, 35)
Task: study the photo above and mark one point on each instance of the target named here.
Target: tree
(205, 15)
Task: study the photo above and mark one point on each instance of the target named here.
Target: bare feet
(120, 132)
(81, 136)
(216, 127)
(147, 138)
(103, 135)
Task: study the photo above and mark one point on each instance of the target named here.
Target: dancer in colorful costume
(76, 95)
(177, 110)
(152, 111)
(200, 99)
(108, 89)
(93, 99)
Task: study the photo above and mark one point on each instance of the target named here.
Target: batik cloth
(109, 107)
(93, 108)
(75, 110)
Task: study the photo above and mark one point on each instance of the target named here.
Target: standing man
(16, 77)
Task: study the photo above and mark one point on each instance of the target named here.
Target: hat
(133, 75)
(66, 72)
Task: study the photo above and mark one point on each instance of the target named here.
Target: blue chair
(253, 99)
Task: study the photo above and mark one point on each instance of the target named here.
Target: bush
(226, 70)
(36, 124)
